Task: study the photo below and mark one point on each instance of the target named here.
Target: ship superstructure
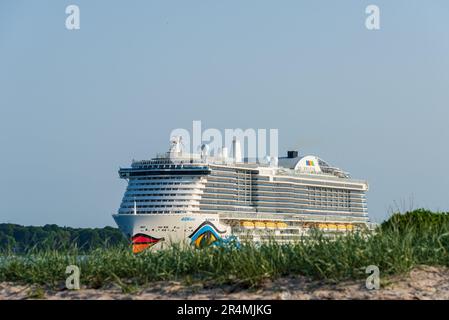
(203, 200)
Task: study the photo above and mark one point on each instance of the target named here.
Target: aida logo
(309, 163)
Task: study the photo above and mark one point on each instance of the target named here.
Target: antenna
(273, 162)
(236, 151)
(204, 151)
(181, 145)
(176, 145)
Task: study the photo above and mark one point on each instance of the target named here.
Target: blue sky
(77, 105)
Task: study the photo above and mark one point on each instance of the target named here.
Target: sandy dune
(421, 283)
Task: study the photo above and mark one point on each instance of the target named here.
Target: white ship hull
(158, 231)
(198, 200)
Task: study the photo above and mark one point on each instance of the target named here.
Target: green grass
(404, 241)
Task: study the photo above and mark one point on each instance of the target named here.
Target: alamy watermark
(256, 144)
(72, 22)
(73, 280)
(372, 22)
(373, 280)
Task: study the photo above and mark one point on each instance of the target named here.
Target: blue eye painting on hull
(205, 235)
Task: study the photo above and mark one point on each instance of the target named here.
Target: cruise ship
(203, 200)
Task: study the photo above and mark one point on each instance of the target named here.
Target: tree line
(53, 237)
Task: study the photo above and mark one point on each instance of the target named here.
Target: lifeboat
(259, 225)
(271, 225)
(282, 225)
(248, 224)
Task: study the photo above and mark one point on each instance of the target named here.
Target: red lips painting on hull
(142, 241)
